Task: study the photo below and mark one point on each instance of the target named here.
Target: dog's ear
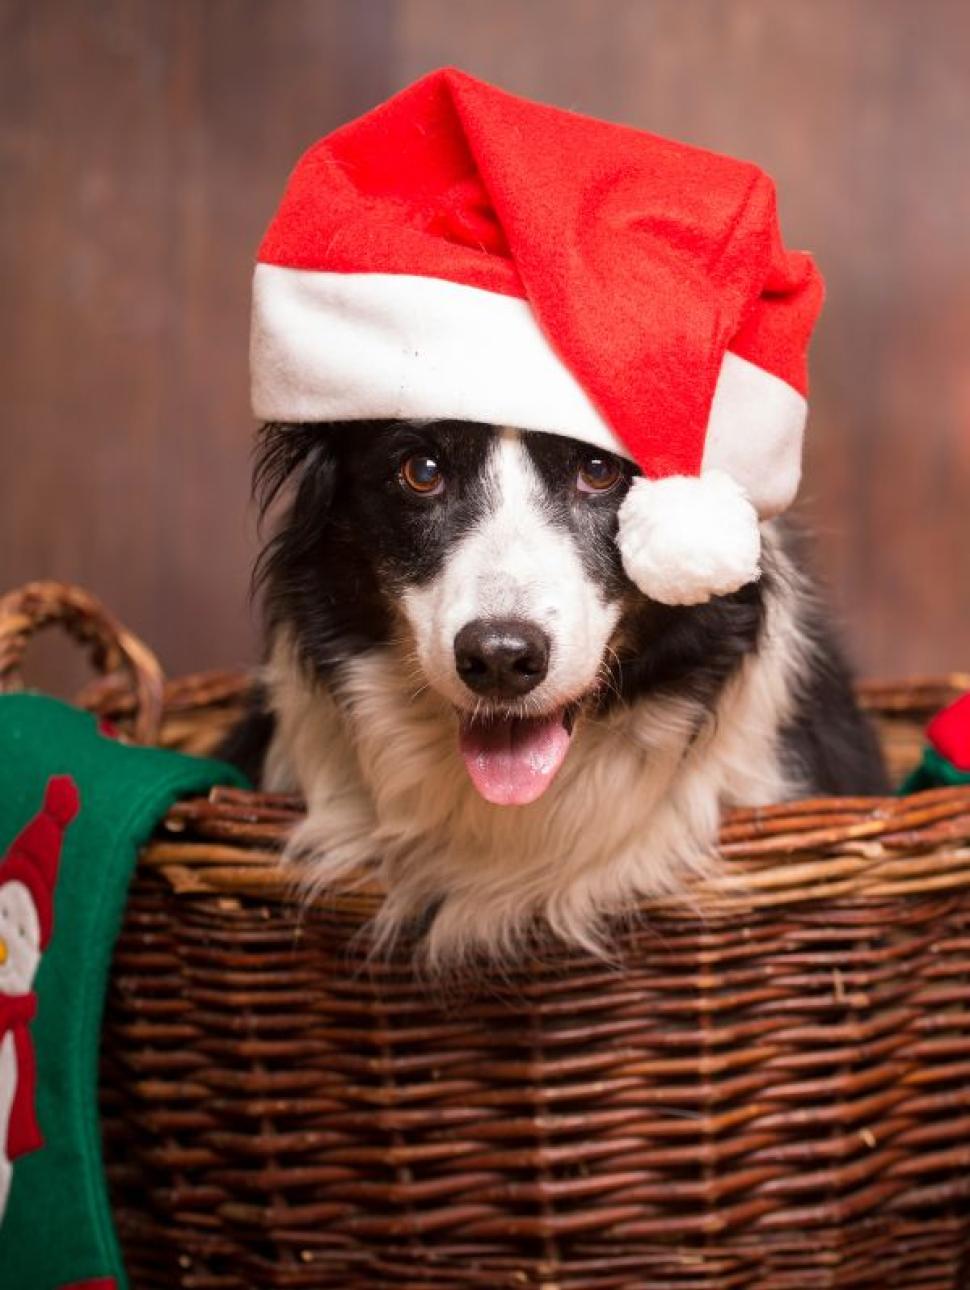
(315, 576)
(299, 461)
(301, 455)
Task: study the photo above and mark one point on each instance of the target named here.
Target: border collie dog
(483, 712)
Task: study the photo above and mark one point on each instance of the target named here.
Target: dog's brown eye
(597, 475)
(422, 474)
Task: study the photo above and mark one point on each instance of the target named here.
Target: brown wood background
(143, 144)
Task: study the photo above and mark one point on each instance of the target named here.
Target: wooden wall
(144, 143)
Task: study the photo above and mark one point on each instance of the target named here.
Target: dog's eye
(597, 475)
(422, 474)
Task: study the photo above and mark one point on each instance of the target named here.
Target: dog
(483, 711)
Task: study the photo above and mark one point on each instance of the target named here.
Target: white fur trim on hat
(685, 539)
(354, 346)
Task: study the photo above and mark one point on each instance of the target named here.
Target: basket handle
(30, 608)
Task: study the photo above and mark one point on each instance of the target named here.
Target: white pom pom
(685, 539)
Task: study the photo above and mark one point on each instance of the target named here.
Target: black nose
(501, 658)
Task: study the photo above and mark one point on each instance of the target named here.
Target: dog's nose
(501, 658)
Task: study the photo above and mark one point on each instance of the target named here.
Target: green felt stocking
(75, 806)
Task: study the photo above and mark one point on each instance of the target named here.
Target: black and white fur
(680, 712)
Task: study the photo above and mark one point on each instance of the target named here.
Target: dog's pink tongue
(512, 761)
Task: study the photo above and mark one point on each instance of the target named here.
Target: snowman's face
(19, 938)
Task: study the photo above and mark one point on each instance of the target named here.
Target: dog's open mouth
(513, 760)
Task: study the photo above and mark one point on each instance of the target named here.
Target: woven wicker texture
(771, 1088)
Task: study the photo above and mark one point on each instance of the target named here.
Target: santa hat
(462, 253)
(35, 853)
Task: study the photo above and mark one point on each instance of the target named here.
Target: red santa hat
(462, 253)
(35, 853)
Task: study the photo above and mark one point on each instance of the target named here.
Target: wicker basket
(772, 1091)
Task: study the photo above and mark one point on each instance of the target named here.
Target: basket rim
(790, 853)
(229, 844)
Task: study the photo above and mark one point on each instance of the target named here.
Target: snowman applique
(28, 875)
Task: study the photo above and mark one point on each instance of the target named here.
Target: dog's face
(490, 553)
(509, 581)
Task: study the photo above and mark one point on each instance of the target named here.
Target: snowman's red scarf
(23, 1134)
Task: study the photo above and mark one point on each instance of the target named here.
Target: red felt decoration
(23, 1132)
(35, 853)
(33, 859)
(949, 733)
